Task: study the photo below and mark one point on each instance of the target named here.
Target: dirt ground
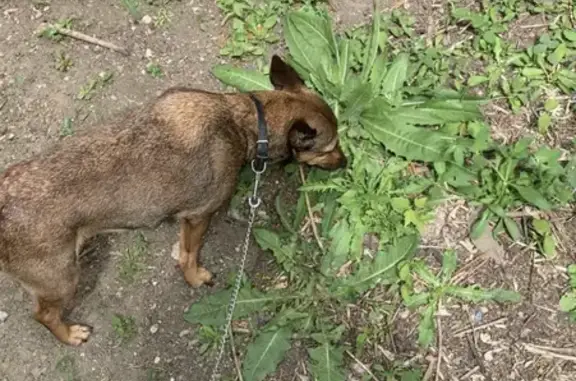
(36, 99)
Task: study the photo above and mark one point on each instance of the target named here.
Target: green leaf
(326, 363)
(512, 228)
(423, 271)
(383, 268)
(476, 294)
(449, 263)
(337, 255)
(410, 142)
(549, 246)
(211, 309)
(570, 35)
(416, 300)
(568, 302)
(400, 204)
(372, 47)
(309, 38)
(476, 80)
(544, 122)
(542, 227)
(396, 75)
(427, 326)
(531, 72)
(551, 104)
(265, 353)
(558, 54)
(242, 79)
(357, 101)
(532, 196)
(480, 224)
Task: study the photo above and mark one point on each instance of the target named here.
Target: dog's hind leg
(191, 236)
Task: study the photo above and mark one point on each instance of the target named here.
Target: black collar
(259, 164)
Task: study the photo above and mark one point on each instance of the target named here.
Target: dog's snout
(343, 162)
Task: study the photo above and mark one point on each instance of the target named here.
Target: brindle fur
(178, 156)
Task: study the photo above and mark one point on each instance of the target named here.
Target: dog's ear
(301, 136)
(283, 76)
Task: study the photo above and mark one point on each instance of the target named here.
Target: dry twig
(310, 214)
(89, 39)
(236, 362)
(480, 327)
(552, 353)
(362, 366)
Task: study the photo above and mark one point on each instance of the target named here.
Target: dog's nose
(343, 162)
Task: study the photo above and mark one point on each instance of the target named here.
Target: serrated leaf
(242, 79)
(424, 272)
(265, 353)
(357, 100)
(326, 363)
(337, 255)
(410, 142)
(383, 268)
(396, 74)
(427, 326)
(476, 294)
(532, 196)
(211, 309)
(512, 229)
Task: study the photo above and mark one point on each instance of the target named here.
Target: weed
(66, 128)
(89, 89)
(568, 300)
(133, 8)
(163, 17)
(131, 260)
(52, 33)
(414, 137)
(67, 368)
(125, 328)
(154, 70)
(63, 62)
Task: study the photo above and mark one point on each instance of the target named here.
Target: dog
(178, 156)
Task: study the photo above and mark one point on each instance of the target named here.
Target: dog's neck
(277, 117)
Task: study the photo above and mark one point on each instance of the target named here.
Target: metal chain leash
(254, 201)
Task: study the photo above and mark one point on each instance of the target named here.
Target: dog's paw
(78, 334)
(199, 277)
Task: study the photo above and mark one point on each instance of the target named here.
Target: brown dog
(179, 156)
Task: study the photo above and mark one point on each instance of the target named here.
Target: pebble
(184, 333)
(146, 19)
(156, 360)
(3, 316)
(154, 328)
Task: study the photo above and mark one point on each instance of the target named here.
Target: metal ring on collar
(258, 171)
(254, 202)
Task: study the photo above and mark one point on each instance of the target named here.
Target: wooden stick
(233, 348)
(548, 354)
(362, 366)
(89, 39)
(310, 214)
(439, 331)
(478, 328)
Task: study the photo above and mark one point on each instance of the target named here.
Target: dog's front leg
(191, 237)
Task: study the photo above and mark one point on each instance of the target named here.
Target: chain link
(254, 201)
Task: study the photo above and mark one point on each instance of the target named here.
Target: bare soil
(36, 98)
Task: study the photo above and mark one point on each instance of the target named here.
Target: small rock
(146, 19)
(156, 360)
(184, 333)
(148, 53)
(154, 328)
(3, 316)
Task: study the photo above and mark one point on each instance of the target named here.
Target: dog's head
(313, 128)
